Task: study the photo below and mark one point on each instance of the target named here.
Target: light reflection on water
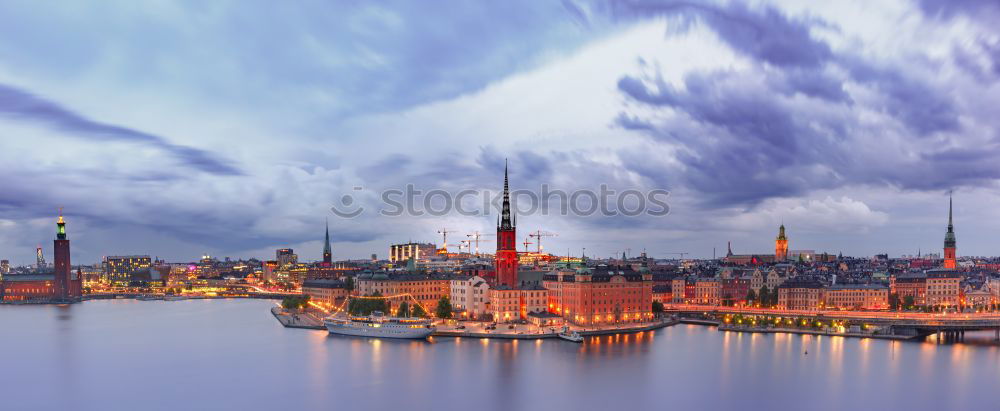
(232, 354)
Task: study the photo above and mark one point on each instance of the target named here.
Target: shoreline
(309, 322)
(758, 330)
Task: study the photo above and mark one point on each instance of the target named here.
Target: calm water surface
(231, 354)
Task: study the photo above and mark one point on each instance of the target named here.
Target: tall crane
(444, 238)
(476, 237)
(537, 235)
(467, 244)
(526, 243)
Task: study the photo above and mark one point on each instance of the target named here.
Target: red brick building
(605, 295)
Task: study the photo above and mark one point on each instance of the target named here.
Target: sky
(231, 128)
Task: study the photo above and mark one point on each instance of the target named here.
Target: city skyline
(863, 124)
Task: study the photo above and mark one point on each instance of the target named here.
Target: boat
(380, 326)
(571, 336)
(175, 298)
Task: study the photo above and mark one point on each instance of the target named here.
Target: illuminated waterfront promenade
(899, 323)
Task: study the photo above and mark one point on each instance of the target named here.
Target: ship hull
(354, 330)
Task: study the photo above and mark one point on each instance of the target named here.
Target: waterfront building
(857, 296)
(943, 288)
(286, 257)
(707, 291)
(734, 290)
(604, 295)
(979, 297)
(426, 289)
(506, 261)
(327, 293)
(801, 293)
(39, 259)
(949, 242)
(912, 285)
(663, 293)
(268, 269)
(678, 287)
(61, 285)
(4, 267)
(507, 304)
(419, 251)
(781, 245)
(470, 296)
(118, 269)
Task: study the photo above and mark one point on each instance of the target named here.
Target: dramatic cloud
(232, 127)
(23, 106)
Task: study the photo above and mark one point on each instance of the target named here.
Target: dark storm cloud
(765, 34)
(788, 125)
(950, 8)
(24, 106)
(919, 105)
(744, 142)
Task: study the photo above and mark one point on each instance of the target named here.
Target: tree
(418, 311)
(403, 310)
(894, 301)
(908, 302)
(295, 302)
(368, 305)
(765, 296)
(751, 296)
(657, 307)
(349, 284)
(443, 309)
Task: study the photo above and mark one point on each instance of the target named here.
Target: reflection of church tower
(949, 243)
(506, 257)
(327, 250)
(781, 245)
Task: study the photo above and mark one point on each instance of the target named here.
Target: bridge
(948, 326)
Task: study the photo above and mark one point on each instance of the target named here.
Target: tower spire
(327, 250)
(950, 226)
(949, 240)
(505, 215)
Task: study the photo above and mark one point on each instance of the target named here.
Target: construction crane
(680, 254)
(444, 238)
(537, 235)
(526, 243)
(465, 243)
(476, 238)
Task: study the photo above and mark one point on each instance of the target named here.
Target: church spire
(505, 214)
(327, 250)
(949, 237)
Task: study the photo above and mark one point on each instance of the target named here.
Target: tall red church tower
(506, 258)
(62, 280)
(949, 243)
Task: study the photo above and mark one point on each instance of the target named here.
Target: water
(231, 354)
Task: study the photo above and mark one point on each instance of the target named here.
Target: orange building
(801, 294)
(857, 296)
(604, 296)
(507, 304)
(427, 289)
(912, 285)
(781, 245)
